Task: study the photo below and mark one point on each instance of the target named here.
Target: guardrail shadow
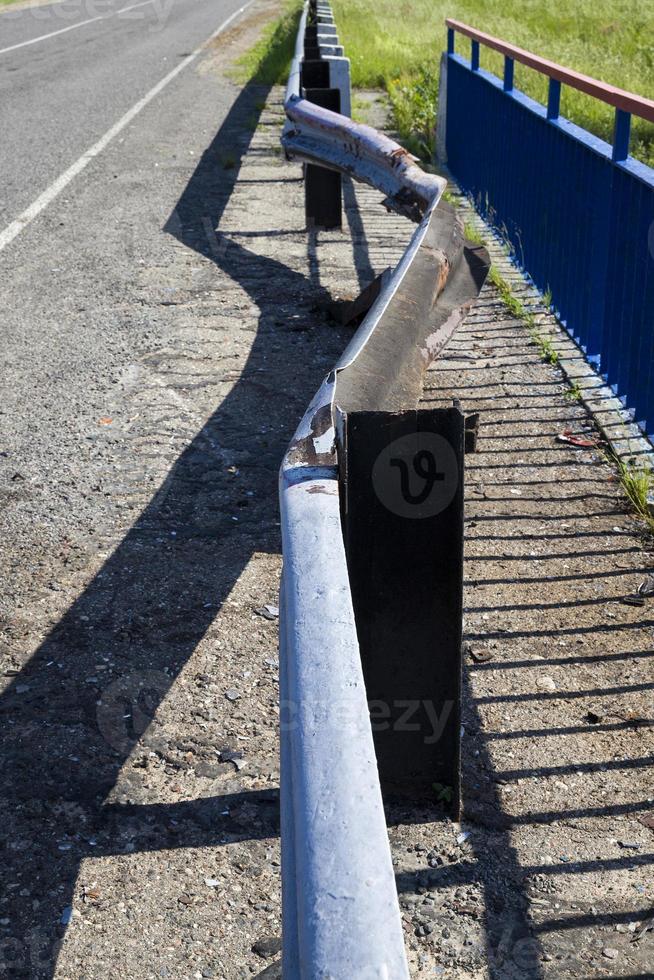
(151, 603)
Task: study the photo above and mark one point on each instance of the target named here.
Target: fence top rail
(617, 97)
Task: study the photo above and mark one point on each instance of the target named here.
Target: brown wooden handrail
(617, 97)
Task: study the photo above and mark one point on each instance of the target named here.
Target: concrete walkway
(556, 868)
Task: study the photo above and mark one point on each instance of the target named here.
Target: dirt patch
(226, 49)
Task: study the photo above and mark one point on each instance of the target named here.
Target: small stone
(268, 612)
(212, 882)
(272, 972)
(267, 947)
(478, 654)
(232, 694)
(211, 770)
(546, 683)
(610, 953)
(233, 756)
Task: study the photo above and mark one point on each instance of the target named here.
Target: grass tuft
(574, 392)
(472, 234)
(546, 349)
(638, 485)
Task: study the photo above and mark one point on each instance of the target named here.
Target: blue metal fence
(579, 213)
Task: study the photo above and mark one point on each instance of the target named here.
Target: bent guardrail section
(340, 908)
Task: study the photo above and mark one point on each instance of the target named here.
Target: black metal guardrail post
(402, 493)
(322, 187)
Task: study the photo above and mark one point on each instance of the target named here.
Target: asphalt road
(124, 336)
(70, 71)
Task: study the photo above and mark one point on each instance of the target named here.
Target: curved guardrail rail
(341, 916)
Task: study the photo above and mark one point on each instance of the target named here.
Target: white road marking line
(55, 189)
(72, 27)
(44, 37)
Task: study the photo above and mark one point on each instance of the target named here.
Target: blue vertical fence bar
(578, 211)
(509, 66)
(554, 99)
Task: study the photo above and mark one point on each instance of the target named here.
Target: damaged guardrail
(371, 495)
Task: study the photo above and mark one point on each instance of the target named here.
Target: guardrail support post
(322, 187)
(402, 498)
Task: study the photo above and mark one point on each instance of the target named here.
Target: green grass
(396, 46)
(269, 60)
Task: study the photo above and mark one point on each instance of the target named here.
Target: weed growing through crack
(638, 485)
(472, 234)
(574, 392)
(546, 349)
(509, 298)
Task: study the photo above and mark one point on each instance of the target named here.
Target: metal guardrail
(341, 916)
(579, 211)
